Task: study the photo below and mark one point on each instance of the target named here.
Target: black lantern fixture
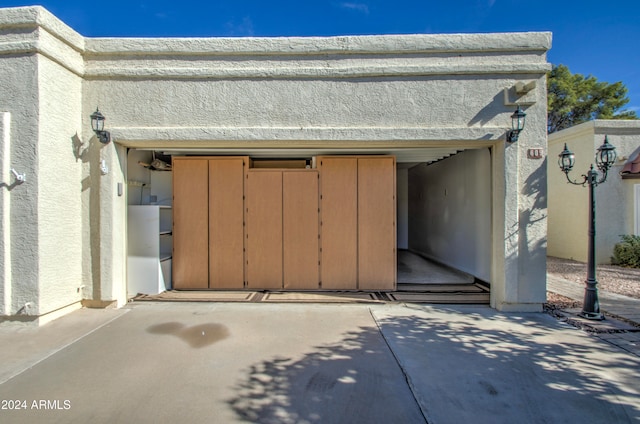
(97, 125)
(517, 125)
(566, 160)
(605, 158)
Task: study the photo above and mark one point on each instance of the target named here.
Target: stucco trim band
(368, 135)
(365, 44)
(314, 72)
(37, 16)
(453, 54)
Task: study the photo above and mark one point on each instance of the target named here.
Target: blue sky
(590, 37)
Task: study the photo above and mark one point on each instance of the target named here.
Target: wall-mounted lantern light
(97, 125)
(605, 158)
(517, 125)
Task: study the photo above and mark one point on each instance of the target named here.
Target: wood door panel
(339, 217)
(226, 223)
(264, 229)
(376, 224)
(300, 229)
(191, 221)
(280, 246)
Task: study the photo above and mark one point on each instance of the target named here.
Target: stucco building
(617, 199)
(438, 105)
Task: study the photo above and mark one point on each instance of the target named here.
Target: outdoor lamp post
(605, 157)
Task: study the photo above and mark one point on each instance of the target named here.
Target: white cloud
(244, 28)
(359, 7)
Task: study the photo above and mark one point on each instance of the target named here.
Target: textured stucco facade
(418, 97)
(568, 205)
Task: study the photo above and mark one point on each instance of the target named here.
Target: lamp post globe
(566, 159)
(605, 156)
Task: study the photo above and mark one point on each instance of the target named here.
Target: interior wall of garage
(450, 211)
(402, 208)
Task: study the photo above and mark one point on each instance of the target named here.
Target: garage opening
(444, 223)
(447, 213)
(442, 219)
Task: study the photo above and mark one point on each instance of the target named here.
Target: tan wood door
(226, 222)
(300, 229)
(264, 229)
(376, 223)
(339, 222)
(280, 245)
(190, 224)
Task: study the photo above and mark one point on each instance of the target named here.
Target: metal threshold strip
(436, 294)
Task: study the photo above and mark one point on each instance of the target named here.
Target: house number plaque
(535, 153)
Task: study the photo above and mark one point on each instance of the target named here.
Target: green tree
(573, 99)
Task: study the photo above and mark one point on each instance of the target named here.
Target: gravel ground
(611, 278)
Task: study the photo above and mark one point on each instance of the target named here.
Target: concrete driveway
(315, 363)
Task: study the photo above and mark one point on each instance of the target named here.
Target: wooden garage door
(376, 224)
(260, 228)
(339, 222)
(191, 224)
(300, 229)
(264, 229)
(226, 223)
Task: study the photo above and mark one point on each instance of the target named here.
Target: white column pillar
(506, 234)
(112, 224)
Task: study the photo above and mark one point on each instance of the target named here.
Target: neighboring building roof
(631, 169)
(598, 127)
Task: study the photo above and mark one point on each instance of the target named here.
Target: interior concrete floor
(415, 269)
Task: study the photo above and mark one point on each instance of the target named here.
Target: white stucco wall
(569, 205)
(60, 187)
(381, 94)
(42, 244)
(450, 211)
(19, 202)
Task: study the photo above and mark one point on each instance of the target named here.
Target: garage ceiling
(405, 157)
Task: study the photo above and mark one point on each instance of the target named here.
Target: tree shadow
(354, 380)
(468, 367)
(532, 241)
(494, 367)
